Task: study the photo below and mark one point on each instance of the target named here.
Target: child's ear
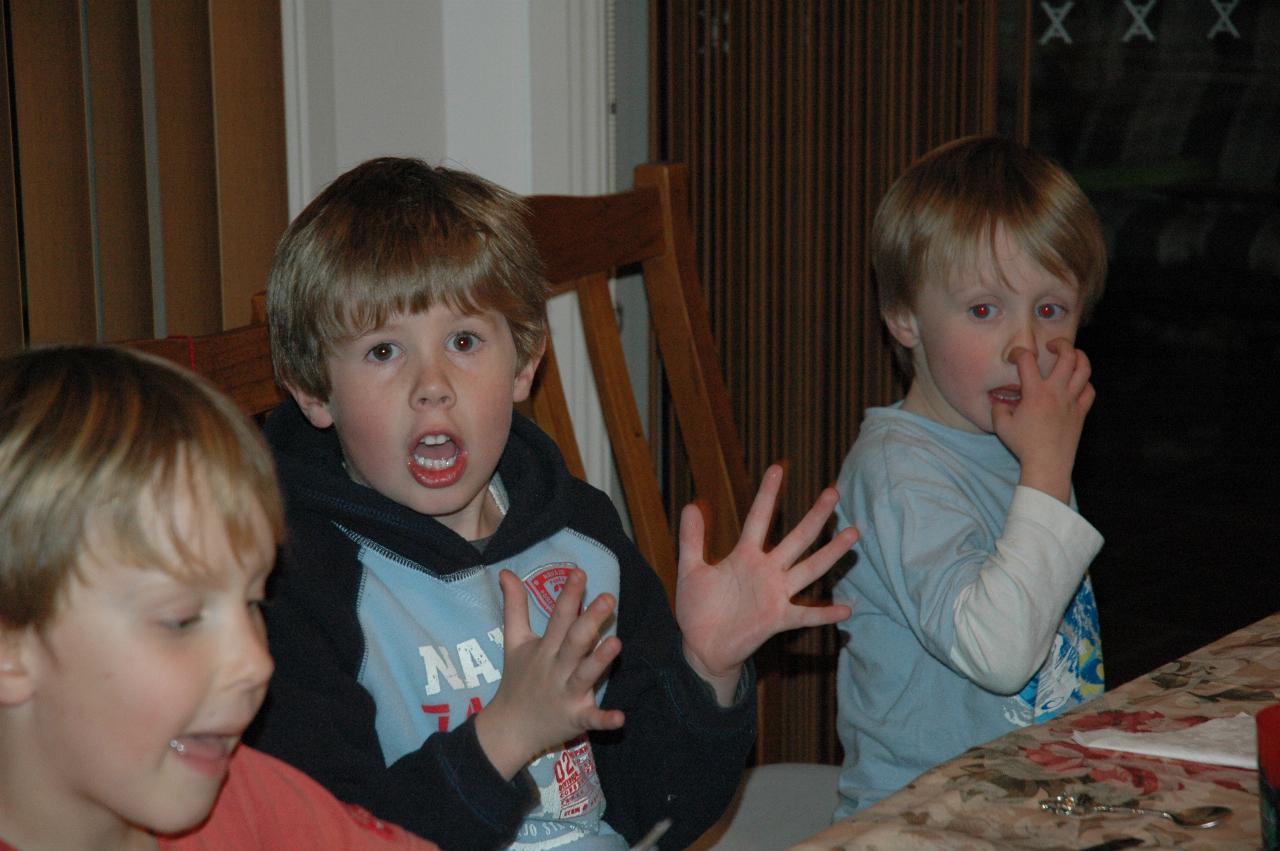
(524, 378)
(903, 327)
(315, 409)
(16, 682)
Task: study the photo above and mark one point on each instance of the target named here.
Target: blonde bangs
(396, 236)
(96, 436)
(951, 203)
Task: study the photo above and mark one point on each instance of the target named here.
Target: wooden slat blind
(245, 39)
(49, 110)
(186, 162)
(10, 266)
(793, 119)
(120, 175)
(79, 215)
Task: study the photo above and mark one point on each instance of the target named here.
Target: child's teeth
(206, 746)
(438, 445)
(436, 463)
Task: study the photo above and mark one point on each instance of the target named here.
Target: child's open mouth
(207, 753)
(437, 460)
(436, 452)
(1006, 395)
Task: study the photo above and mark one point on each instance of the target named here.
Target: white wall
(513, 90)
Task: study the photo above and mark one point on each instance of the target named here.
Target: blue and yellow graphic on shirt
(1073, 671)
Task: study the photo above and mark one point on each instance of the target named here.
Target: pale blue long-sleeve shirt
(972, 611)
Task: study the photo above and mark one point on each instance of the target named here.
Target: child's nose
(251, 662)
(433, 387)
(1023, 337)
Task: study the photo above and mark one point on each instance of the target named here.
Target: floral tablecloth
(989, 797)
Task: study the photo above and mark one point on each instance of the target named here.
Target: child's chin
(188, 818)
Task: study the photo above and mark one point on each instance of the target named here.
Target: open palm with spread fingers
(547, 695)
(727, 610)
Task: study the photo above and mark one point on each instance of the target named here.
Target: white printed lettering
(475, 664)
(437, 663)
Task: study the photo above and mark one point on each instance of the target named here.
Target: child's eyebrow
(970, 288)
(364, 338)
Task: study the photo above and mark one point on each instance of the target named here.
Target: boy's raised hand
(547, 695)
(727, 610)
(1044, 428)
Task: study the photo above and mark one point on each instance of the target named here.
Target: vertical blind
(142, 166)
(794, 117)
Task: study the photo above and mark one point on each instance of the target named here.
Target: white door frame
(514, 90)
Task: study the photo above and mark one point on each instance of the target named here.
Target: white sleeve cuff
(1006, 620)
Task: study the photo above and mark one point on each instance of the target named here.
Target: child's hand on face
(1043, 429)
(547, 695)
(727, 610)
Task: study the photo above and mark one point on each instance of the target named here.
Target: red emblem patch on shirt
(546, 583)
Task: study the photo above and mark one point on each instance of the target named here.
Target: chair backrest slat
(621, 413)
(581, 234)
(549, 408)
(585, 239)
(678, 314)
(238, 362)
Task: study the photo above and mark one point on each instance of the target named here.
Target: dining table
(990, 796)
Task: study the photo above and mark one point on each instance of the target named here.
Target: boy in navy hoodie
(435, 662)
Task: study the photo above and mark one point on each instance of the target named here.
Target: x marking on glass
(1056, 15)
(1139, 26)
(1223, 24)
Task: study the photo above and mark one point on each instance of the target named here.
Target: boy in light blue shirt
(972, 610)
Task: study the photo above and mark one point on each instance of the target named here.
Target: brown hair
(91, 436)
(397, 235)
(947, 202)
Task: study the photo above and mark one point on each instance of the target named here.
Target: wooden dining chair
(583, 240)
(237, 362)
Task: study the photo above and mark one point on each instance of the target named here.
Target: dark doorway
(1170, 119)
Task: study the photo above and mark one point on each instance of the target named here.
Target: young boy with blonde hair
(434, 659)
(139, 518)
(972, 611)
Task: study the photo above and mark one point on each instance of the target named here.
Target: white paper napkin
(1219, 741)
